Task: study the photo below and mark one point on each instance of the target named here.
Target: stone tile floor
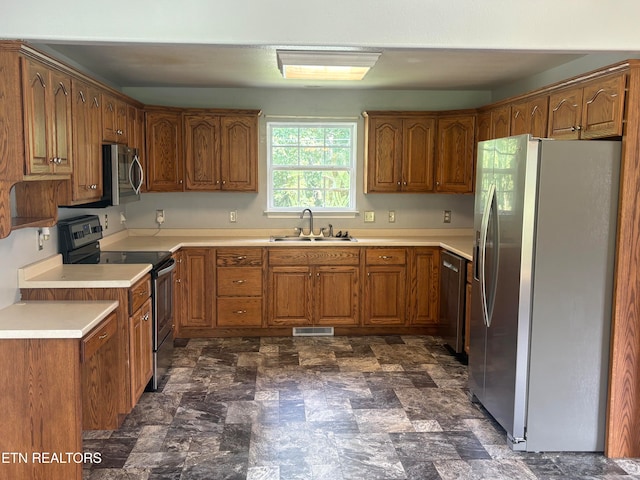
(322, 408)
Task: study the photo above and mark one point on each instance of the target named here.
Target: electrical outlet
(369, 216)
(392, 216)
(106, 221)
(447, 216)
(160, 217)
(233, 216)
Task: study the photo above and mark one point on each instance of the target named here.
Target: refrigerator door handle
(491, 297)
(484, 228)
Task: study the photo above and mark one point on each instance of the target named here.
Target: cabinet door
(290, 300)
(47, 119)
(501, 122)
(202, 152)
(61, 122)
(198, 288)
(239, 153)
(87, 142)
(336, 295)
(418, 147)
(384, 154)
(538, 111)
(483, 126)
(602, 108)
(425, 286)
(455, 148)
(385, 294)
(100, 376)
(565, 114)
(114, 119)
(140, 350)
(164, 152)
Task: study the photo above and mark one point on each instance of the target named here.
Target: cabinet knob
(398, 182)
(241, 257)
(178, 281)
(224, 182)
(103, 336)
(239, 281)
(240, 312)
(119, 132)
(404, 183)
(385, 257)
(145, 317)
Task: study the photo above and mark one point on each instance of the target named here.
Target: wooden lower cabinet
(385, 293)
(99, 356)
(141, 349)
(197, 273)
(313, 286)
(130, 301)
(424, 280)
(239, 287)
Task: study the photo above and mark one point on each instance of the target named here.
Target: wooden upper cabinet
(87, 143)
(400, 152)
(417, 163)
(455, 154)
(602, 110)
(164, 151)
(565, 114)
(114, 119)
(593, 110)
(202, 152)
(530, 116)
(47, 119)
(483, 126)
(239, 153)
(501, 122)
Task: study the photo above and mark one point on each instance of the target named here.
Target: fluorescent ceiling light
(326, 65)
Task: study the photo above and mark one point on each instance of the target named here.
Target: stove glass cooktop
(154, 258)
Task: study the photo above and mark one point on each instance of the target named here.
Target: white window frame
(353, 125)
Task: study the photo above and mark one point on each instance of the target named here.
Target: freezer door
(515, 172)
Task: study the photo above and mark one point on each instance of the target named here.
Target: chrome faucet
(310, 221)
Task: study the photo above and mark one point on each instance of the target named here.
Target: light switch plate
(369, 216)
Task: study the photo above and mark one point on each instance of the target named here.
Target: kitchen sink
(311, 239)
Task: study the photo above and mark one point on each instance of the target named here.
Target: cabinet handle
(239, 281)
(82, 99)
(41, 80)
(95, 102)
(576, 128)
(178, 281)
(180, 182)
(385, 257)
(404, 183)
(64, 89)
(240, 312)
(119, 132)
(241, 257)
(398, 182)
(318, 274)
(224, 182)
(145, 317)
(142, 294)
(103, 336)
(217, 182)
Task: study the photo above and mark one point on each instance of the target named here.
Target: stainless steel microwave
(122, 176)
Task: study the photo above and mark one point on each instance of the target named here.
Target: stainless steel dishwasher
(452, 297)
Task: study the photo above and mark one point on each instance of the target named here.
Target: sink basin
(290, 239)
(312, 239)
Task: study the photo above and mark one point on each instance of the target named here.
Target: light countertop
(53, 319)
(459, 242)
(52, 273)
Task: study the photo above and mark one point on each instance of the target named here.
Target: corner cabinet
(455, 154)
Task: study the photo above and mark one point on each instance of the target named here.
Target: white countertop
(52, 273)
(53, 319)
(459, 242)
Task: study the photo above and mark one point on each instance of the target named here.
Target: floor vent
(312, 331)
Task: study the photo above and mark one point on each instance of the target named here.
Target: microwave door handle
(135, 161)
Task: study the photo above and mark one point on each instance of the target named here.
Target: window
(311, 165)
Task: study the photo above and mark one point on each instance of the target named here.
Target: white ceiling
(189, 65)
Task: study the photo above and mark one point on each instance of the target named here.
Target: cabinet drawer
(99, 336)
(139, 293)
(386, 256)
(239, 312)
(239, 281)
(239, 257)
(314, 256)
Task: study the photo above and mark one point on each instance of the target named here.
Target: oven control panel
(78, 232)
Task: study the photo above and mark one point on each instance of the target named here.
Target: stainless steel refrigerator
(545, 225)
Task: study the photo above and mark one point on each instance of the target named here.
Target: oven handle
(168, 269)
